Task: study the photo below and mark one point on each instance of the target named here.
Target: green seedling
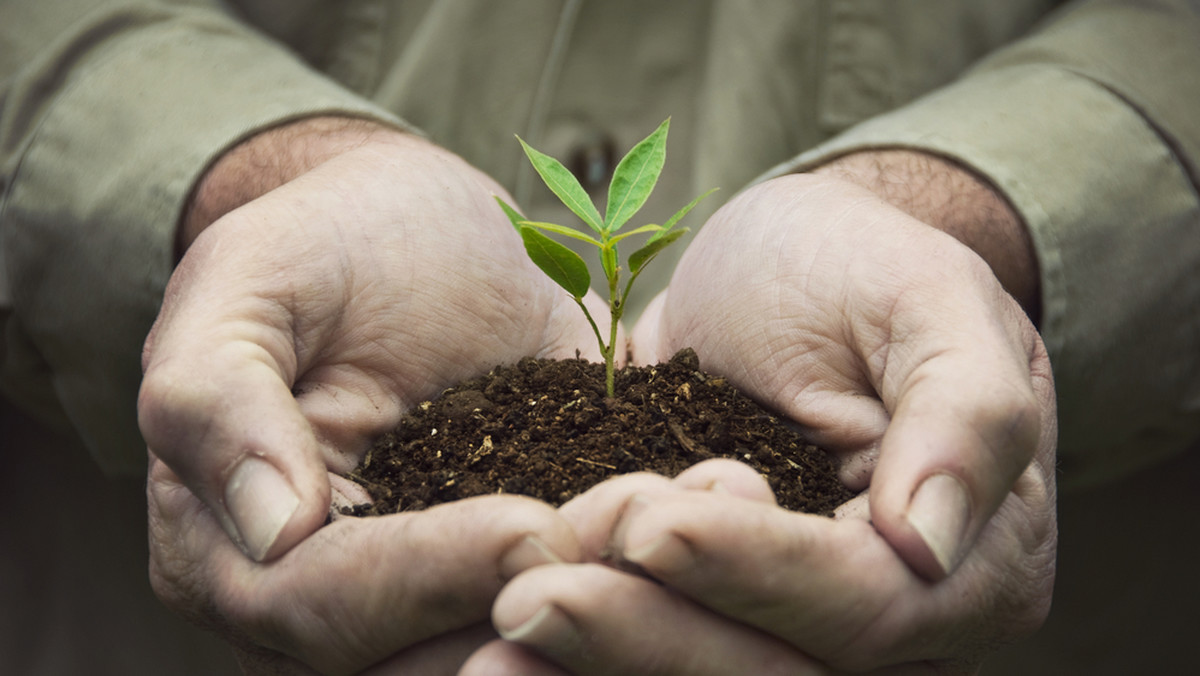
(632, 182)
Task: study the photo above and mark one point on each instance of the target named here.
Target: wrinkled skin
(894, 345)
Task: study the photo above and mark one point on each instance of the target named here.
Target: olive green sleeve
(110, 113)
(1090, 128)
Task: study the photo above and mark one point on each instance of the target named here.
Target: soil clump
(545, 429)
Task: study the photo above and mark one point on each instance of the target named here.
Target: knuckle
(533, 517)
(163, 405)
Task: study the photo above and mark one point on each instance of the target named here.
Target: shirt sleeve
(1089, 127)
(109, 113)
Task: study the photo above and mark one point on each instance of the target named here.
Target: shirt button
(593, 162)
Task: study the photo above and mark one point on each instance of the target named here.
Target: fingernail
(548, 628)
(529, 552)
(260, 502)
(939, 512)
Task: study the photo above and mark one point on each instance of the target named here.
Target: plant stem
(607, 351)
(610, 353)
(616, 309)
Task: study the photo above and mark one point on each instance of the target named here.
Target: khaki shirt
(1084, 118)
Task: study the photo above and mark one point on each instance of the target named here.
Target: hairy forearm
(266, 161)
(955, 200)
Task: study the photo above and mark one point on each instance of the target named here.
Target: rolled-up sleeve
(1090, 128)
(110, 113)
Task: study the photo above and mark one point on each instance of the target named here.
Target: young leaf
(561, 230)
(634, 178)
(638, 259)
(678, 215)
(564, 184)
(559, 263)
(513, 217)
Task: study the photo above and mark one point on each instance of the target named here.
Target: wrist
(267, 160)
(956, 200)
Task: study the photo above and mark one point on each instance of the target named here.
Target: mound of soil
(545, 429)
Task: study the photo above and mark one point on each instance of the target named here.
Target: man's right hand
(374, 271)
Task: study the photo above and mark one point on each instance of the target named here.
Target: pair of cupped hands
(380, 270)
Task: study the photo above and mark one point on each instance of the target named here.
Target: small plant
(632, 182)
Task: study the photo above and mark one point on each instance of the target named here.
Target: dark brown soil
(545, 429)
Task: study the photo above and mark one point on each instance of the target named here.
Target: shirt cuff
(130, 115)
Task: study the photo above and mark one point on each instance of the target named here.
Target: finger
(835, 588)
(595, 513)
(728, 477)
(971, 409)
(858, 507)
(503, 658)
(357, 590)
(345, 494)
(592, 620)
(856, 468)
(236, 437)
(781, 571)
(437, 656)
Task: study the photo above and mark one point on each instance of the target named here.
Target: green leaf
(678, 215)
(638, 259)
(564, 266)
(634, 178)
(513, 216)
(562, 230)
(564, 184)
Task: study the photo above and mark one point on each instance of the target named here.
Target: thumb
(216, 406)
(235, 436)
(966, 424)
